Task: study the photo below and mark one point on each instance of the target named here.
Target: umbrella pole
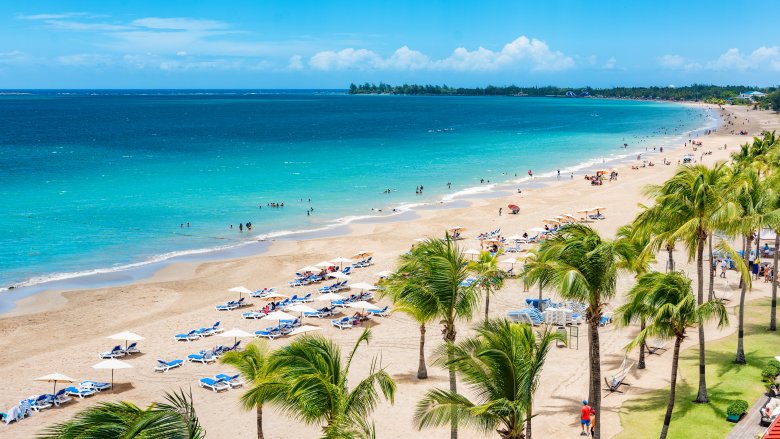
(112, 380)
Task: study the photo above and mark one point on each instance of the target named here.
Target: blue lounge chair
(205, 332)
(189, 336)
(117, 351)
(320, 313)
(232, 380)
(94, 385)
(379, 312)
(165, 366)
(342, 323)
(61, 397)
(229, 306)
(252, 315)
(215, 385)
(217, 327)
(132, 349)
(269, 333)
(41, 402)
(203, 357)
(79, 391)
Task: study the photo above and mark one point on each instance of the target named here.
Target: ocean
(104, 180)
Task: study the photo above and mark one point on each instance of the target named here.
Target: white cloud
(59, 16)
(14, 57)
(295, 63)
(179, 23)
(610, 64)
(85, 60)
(521, 53)
(762, 58)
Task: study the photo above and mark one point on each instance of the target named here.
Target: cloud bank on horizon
(154, 50)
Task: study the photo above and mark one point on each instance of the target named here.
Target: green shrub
(737, 407)
(774, 362)
(769, 372)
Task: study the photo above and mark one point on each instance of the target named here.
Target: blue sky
(328, 44)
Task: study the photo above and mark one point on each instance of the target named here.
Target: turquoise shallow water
(98, 180)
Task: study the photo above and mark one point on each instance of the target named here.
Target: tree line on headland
(695, 92)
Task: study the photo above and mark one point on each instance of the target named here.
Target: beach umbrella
(456, 229)
(362, 304)
(330, 297)
(551, 221)
(515, 237)
(384, 274)
(305, 328)
(363, 286)
(273, 296)
(126, 336)
(420, 239)
(598, 208)
(472, 252)
(301, 308)
(362, 254)
(341, 261)
(324, 264)
(240, 291)
(538, 230)
(112, 364)
(279, 315)
(339, 275)
(55, 378)
(584, 211)
(235, 333)
(310, 269)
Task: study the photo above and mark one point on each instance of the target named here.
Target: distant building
(751, 95)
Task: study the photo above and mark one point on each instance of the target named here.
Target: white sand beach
(63, 331)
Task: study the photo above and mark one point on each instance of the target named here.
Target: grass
(726, 381)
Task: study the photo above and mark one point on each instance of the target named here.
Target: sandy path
(66, 336)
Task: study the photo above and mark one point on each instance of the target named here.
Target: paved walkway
(748, 427)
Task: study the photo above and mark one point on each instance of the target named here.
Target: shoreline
(66, 336)
(140, 271)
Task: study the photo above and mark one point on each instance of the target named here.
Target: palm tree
(692, 203)
(501, 365)
(318, 391)
(265, 384)
(438, 270)
(173, 419)
(654, 222)
(666, 300)
(775, 226)
(583, 267)
(490, 278)
(537, 271)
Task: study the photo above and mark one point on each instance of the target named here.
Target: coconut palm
(318, 391)
(584, 267)
(537, 271)
(692, 202)
(666, 300)
(437, 270)
(501, 366)
(490, 277)
(775, 226)
(263, 382)
(173, 419)
(654, 222)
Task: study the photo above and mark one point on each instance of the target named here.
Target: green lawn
(642, 417)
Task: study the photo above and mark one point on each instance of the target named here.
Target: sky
(330, 44)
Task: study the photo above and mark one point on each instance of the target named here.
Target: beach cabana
(55, 378)
(112, 364)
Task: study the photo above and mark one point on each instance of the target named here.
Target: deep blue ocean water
(95, 180)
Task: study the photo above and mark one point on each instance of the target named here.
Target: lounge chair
(79, 391)
(97, 386)
(215, 385)
(203, 357)
(165, 366)
(231, 305)
(132, 349)
(41, 402)
(304, 299)
(189, 336)
(232, 380)
(205, 332)
(252, 315)
(320, 313)
(618, 379)
(61, 397)
(117, 351)
(342, 323)
(269, 333)
(379, 312)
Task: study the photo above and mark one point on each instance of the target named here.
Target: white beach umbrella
(362, 254)
(509, 261)
(341, 261)
(515, 237)
(339, 275)
(112, 364)
(235, 333)
(240, 291)
(310, 269)
(384, 274)
(305, 328)
(324, 264)
(362, 304)
(472, 251)
(598, 208)
(126, 336)
(55, 378)
(279, 315)
(273, 296)
(330, 297)
(538, 229)
(420, 239)
(300, 307)
(456, 229)
(584, 211)
(551, 221)
(363, 286)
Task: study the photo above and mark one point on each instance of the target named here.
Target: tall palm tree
(501, 366)
(439, 270)
(584, 267)
(692, 202)
(490, 277)
(666, 300)
(537, 271)
(318, 391)
(173, 419)
(654, 222)
(264, 383)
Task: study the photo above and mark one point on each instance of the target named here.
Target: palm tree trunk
(670, 264)
(487, 302)
(670, 406)
(642, 346)
(422, 371)
(712, 271)
(701, 397)
(529, 412)
(259, 420)
(773, 316)
(595, 371)
(741, 331)
(449, 337)
(540, 296)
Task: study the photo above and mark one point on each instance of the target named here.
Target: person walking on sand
(585, 417)
(499, 211)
